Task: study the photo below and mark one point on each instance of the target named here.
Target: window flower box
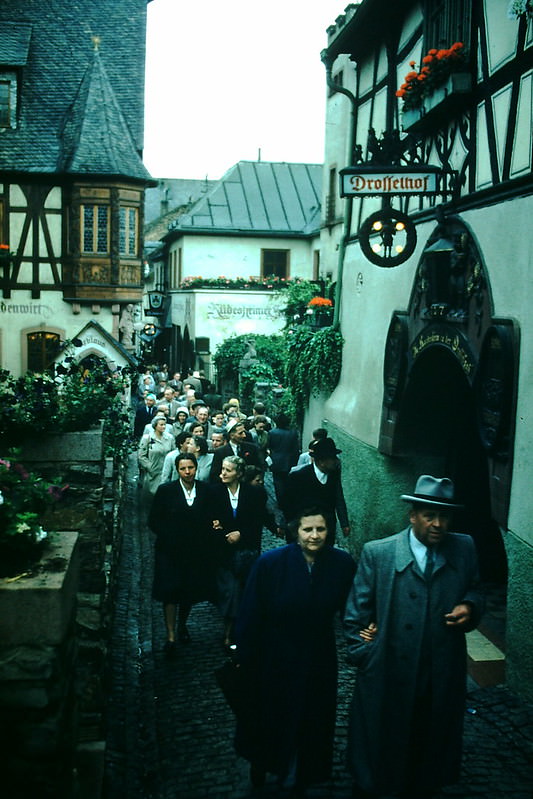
(444, 101)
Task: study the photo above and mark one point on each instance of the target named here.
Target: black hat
(437, 491)
(324, 448)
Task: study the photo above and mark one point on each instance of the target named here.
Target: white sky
(225, 79)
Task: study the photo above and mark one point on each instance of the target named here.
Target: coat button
(413, 595)
(408, 626)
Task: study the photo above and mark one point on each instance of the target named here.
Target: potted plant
(319, 312)
(24, 498)
(434, 88)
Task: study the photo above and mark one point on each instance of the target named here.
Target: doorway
(437, 426)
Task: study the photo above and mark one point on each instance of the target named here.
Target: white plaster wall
(218, 315)
(370, 295)
(233, 256)
(501, 232)
(19, 313)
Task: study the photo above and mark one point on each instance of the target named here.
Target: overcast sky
(225, 80)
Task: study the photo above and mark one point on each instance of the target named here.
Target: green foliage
(260, 372)
(313, 364)
(296, 296)
(24, 497)
(78, 397)
(306, 362)
(270, 351)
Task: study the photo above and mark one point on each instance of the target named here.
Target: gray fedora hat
(436, 491)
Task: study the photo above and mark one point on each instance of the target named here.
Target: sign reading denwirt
(376, 181)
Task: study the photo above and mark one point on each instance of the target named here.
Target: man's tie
(430, 562)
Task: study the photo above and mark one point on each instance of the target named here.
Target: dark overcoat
(235, 560)
(185, 546)
(390, 590)
(286, 643)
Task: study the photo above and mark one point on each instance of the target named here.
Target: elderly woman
(197, 445)
(240, 511)
(151, 455)
(182, 414)
(286, 647)
(183, 559)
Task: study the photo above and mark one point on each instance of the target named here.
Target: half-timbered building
(429, 142)
(71, 176)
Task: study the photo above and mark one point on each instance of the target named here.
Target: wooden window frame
(266, 254)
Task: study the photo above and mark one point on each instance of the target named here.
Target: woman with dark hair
(286, 649)
(184, 564)
(199, 448)
(240, 513)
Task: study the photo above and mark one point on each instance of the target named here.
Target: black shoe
(257, 776)
(184, 636)
(170, 649)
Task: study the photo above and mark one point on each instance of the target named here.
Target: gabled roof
(259, 197)
(95, 136)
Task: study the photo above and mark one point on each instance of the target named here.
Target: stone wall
(91, 507)
(38, 692)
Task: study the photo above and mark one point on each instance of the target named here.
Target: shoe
(170, 649)
(184, 636)
(257, 776)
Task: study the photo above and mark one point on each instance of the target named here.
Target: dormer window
(8, 100)
(14, 47)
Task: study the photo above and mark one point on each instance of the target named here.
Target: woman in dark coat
(286, 648)
(184, 564)
(240, 511)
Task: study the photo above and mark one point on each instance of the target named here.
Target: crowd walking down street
(170, 733)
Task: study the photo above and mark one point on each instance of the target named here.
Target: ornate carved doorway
(450, 385)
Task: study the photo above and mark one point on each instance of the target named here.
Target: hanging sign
(378, 181)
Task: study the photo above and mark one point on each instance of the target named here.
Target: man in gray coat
(414, 596)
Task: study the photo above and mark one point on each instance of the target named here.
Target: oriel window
(95, 229)
(128, 230)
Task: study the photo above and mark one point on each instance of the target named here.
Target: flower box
(436, 109)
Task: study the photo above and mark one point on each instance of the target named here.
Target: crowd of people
(405, 605)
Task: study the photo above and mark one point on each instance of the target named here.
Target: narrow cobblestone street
(169, 731)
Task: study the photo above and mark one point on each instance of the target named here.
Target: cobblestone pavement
(170, 732)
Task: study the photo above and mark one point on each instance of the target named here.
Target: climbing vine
(313, 364)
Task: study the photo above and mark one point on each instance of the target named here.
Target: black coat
(286, 646)
(304, 490)
(185, 546)
(143, 416)
(284, 448)
(251, 517)
(248, 451)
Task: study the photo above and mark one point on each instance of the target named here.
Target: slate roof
(50, 46)
(259, 197)
(14, 44)
(95, 136)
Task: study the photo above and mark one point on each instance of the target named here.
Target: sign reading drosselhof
(363, 182)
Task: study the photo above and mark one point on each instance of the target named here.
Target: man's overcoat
(390, 590)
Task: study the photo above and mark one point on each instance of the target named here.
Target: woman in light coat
(153, 448)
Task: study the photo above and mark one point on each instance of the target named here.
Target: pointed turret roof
(95, 135)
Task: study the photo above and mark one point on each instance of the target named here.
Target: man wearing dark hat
(318, 484)
(413, 599)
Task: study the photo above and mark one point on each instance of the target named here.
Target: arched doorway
(437, 426)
